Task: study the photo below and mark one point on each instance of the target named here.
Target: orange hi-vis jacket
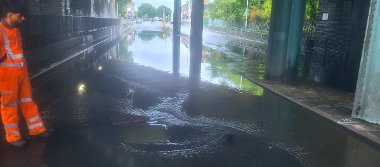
(15, 88)
(12, 47)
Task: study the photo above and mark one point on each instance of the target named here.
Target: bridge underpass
(202, 112)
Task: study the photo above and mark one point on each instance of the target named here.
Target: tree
(233, 10)
(146, 9)
(161, 9)
(261, 11)
(147, 35)
(312, 7)
(229, 10)
(311, 15)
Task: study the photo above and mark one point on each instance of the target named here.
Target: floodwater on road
(219, 119)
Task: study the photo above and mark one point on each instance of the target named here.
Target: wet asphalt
(219, 119)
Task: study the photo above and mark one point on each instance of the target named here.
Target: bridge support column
(367, 99)
(196, 39)
(177, 17)
(284, 37)
(176, 37)
(176, 55)
(297, 17)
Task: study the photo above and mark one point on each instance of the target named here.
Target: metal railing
(261, 35)
(257, 30)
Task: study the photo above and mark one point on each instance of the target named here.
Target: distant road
(148, 26)
(211, 39)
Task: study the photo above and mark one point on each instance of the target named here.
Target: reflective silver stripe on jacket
(10, 126)
(8, 48)
(34, 119)
(24, 100)
(6, 93)
(12, 133)
(35, 126)
(10, 104)
(21, 64)
(19, 56)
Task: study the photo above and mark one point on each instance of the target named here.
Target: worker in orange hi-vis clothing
(15, 85)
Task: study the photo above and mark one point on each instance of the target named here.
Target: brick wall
(338, 43)
(50, 21)
(57, 30)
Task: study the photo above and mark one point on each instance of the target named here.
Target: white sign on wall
(325, 16)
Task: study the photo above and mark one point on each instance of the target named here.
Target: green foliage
(233, 10)
(122, 6)
(261, 11)
(311, 16)
(146, 9)
(226, 9)
(124, 53)
(161, 9)
(220, 68)
(312, 7)
(147, 35)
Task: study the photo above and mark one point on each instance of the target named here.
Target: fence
(258, 30)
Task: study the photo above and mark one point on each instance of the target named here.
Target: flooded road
(220, 119)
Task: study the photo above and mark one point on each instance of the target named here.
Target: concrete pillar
(367, 99)
(196, 40)
(195, 58)
(297, 18)
(176, 55)
(278, 39)
(176, 36)
(284, 37)
(177, 17)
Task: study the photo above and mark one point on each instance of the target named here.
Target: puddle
(145, 134)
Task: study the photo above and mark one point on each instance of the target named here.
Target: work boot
(18, 143)
(40, 137)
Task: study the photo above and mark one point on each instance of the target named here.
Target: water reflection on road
(153, 49)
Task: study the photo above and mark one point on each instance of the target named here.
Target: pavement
(334, 105)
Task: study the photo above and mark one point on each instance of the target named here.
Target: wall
(338, 43)
(56, 30)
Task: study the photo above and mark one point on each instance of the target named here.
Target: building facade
(186, 10)
(131, 11)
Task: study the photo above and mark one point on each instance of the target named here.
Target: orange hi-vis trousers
(16, 91)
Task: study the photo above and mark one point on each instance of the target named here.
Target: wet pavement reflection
(216, 119)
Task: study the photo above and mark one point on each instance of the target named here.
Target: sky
(157, 3)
